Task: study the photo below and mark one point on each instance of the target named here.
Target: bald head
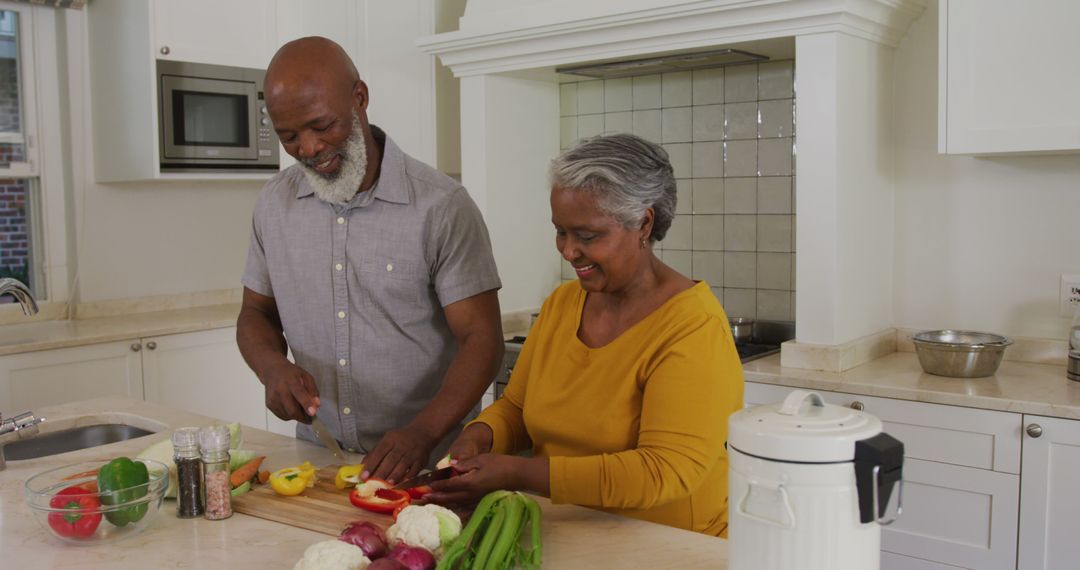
(311, 61)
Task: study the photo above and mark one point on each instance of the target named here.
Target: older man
(374, 268)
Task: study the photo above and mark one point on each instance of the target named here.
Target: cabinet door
(1050, 497)
(34, 379)
(238, 32)
(203, 372)
(1008, 80)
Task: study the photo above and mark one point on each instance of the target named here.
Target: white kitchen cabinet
(203, 372)
(1050, 498)
(241, 33)
(1007, 77)
(961, 481)
(32, 380)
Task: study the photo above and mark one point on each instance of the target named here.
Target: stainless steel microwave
(213, 118)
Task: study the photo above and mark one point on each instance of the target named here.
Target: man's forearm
(260, 339)
(470, 373)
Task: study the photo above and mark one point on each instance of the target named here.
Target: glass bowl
(95, 521)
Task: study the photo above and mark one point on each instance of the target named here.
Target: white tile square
(618, 94)
(740, 269)
(646, 92)
(590, 97)
(775, 118)
(680, 157)
(794, 265)
(708, 195)
(774, 305)
(708, 86)
(708, 160)
(774, 195)
(740, 158)
(568, 99)
(740, 232)
(679, 261)
(708, 233)
(619, 122)
(590, 125)
(567, 131)
(794, 194)
(740, 303)
(709, 266)
(740, 196)
(774, 232)
(741, 121)
(794, 224)
(718, 292)
(776, 80)
(677, 124)
(647, 125)
(774, 271)
(679, 235)
(774, 157)
(684, 201)
(677, 90)
(708, 122)
(740, 83)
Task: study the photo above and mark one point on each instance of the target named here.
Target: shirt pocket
(396, 286)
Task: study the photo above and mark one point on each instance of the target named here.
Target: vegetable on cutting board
(120, 481)
(491, 539)
(348, 476)
(378, 496)
(292, 481)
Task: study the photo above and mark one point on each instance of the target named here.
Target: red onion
(367, 536)
(387, 563)
(413, 557)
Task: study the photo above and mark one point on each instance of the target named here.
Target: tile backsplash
(730, 133)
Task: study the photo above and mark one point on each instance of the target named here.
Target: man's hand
(290, 392)
(400, 454)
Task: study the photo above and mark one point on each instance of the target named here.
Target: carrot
(264, 476)
(246, 471)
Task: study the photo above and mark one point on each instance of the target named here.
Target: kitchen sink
(72, 439)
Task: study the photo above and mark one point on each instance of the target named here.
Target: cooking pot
(742, 329)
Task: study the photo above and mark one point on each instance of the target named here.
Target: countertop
(1019, 387)
(573, 537)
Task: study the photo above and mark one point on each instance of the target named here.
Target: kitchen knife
(323, 433)
(426, 478)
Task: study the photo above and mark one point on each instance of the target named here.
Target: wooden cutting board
(323, 508)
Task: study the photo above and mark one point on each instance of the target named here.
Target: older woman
(624, 386)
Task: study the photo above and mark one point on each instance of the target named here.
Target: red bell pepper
(419, 492)
(378, 496)
(81, 513)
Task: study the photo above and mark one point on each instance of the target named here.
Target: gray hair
(626, 173)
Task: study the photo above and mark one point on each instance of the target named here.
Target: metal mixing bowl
(742, 329)
(960, 354)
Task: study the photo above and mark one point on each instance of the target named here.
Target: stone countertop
(1019, 387)
(573, 537)
(29, 337)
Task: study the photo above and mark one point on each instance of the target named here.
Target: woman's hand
(472, 441)
(481, 475)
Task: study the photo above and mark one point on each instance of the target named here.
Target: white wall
(980, 242)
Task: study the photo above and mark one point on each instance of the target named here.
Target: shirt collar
(390, 185)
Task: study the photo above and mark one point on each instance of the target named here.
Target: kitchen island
(573, 537)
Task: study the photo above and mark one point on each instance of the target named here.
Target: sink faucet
(21, 426)
(21, 293)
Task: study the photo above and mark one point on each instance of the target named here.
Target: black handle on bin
(886, 453)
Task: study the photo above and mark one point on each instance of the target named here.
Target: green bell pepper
(120, 481)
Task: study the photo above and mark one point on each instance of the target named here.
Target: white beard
(340, 187)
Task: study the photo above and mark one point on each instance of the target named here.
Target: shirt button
(341, 314)
(341, 220)
(352, 450)
(343, 362)
(389, 266)
(346, 411)
(338, 267)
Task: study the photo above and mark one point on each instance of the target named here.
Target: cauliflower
(429, 526)
(332, 555)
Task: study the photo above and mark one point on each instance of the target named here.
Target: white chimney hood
(505, 53)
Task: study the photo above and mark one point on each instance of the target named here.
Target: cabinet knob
(165, 50)
(857, 405)
(151, 345)
(1034, 430)
(136, 347)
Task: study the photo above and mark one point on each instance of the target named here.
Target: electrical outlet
(1070, 294)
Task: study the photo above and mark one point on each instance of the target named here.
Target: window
(20, 182)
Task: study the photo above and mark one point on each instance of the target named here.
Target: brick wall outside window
(14, 230)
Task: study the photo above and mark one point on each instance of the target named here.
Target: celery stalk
(506, 536)
(487, 542)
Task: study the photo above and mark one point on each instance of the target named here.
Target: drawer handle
(857, 405)
(165, 50)
(151, 345)
(136, 347)
(1034, 430)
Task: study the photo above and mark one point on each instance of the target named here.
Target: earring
(642, 243)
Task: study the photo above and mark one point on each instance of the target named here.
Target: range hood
(663, 64)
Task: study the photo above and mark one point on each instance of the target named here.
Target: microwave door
(206, 120)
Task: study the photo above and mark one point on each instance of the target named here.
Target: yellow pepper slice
(291, 481)
(309, 471)
(348, 476)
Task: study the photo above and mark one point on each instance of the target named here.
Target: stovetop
(752, 351)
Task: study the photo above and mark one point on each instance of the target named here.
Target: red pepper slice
(81, 513)
(378, 496)
(419, 492)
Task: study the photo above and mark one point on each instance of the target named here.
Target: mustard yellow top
(636, 427)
